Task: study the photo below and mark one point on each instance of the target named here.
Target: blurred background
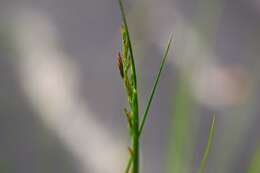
(62, 100)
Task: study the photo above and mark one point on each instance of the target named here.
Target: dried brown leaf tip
(120, 64)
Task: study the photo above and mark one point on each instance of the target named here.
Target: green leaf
(207, 149)
(155, 85)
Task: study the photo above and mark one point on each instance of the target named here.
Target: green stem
(136, 152)
(135, 136)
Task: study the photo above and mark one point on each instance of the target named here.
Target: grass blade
(207, 149)
(155, 85)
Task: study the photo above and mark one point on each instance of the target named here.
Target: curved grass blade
(207, 149)
(155, 85)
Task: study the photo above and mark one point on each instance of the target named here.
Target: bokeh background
(62, 100)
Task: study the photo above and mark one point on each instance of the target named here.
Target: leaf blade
(155, 85)
(208, 146)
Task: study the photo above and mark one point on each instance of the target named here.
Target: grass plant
(126, 65)
(127, 69)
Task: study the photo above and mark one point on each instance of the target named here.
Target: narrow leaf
(207, 149)
(155, 85)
